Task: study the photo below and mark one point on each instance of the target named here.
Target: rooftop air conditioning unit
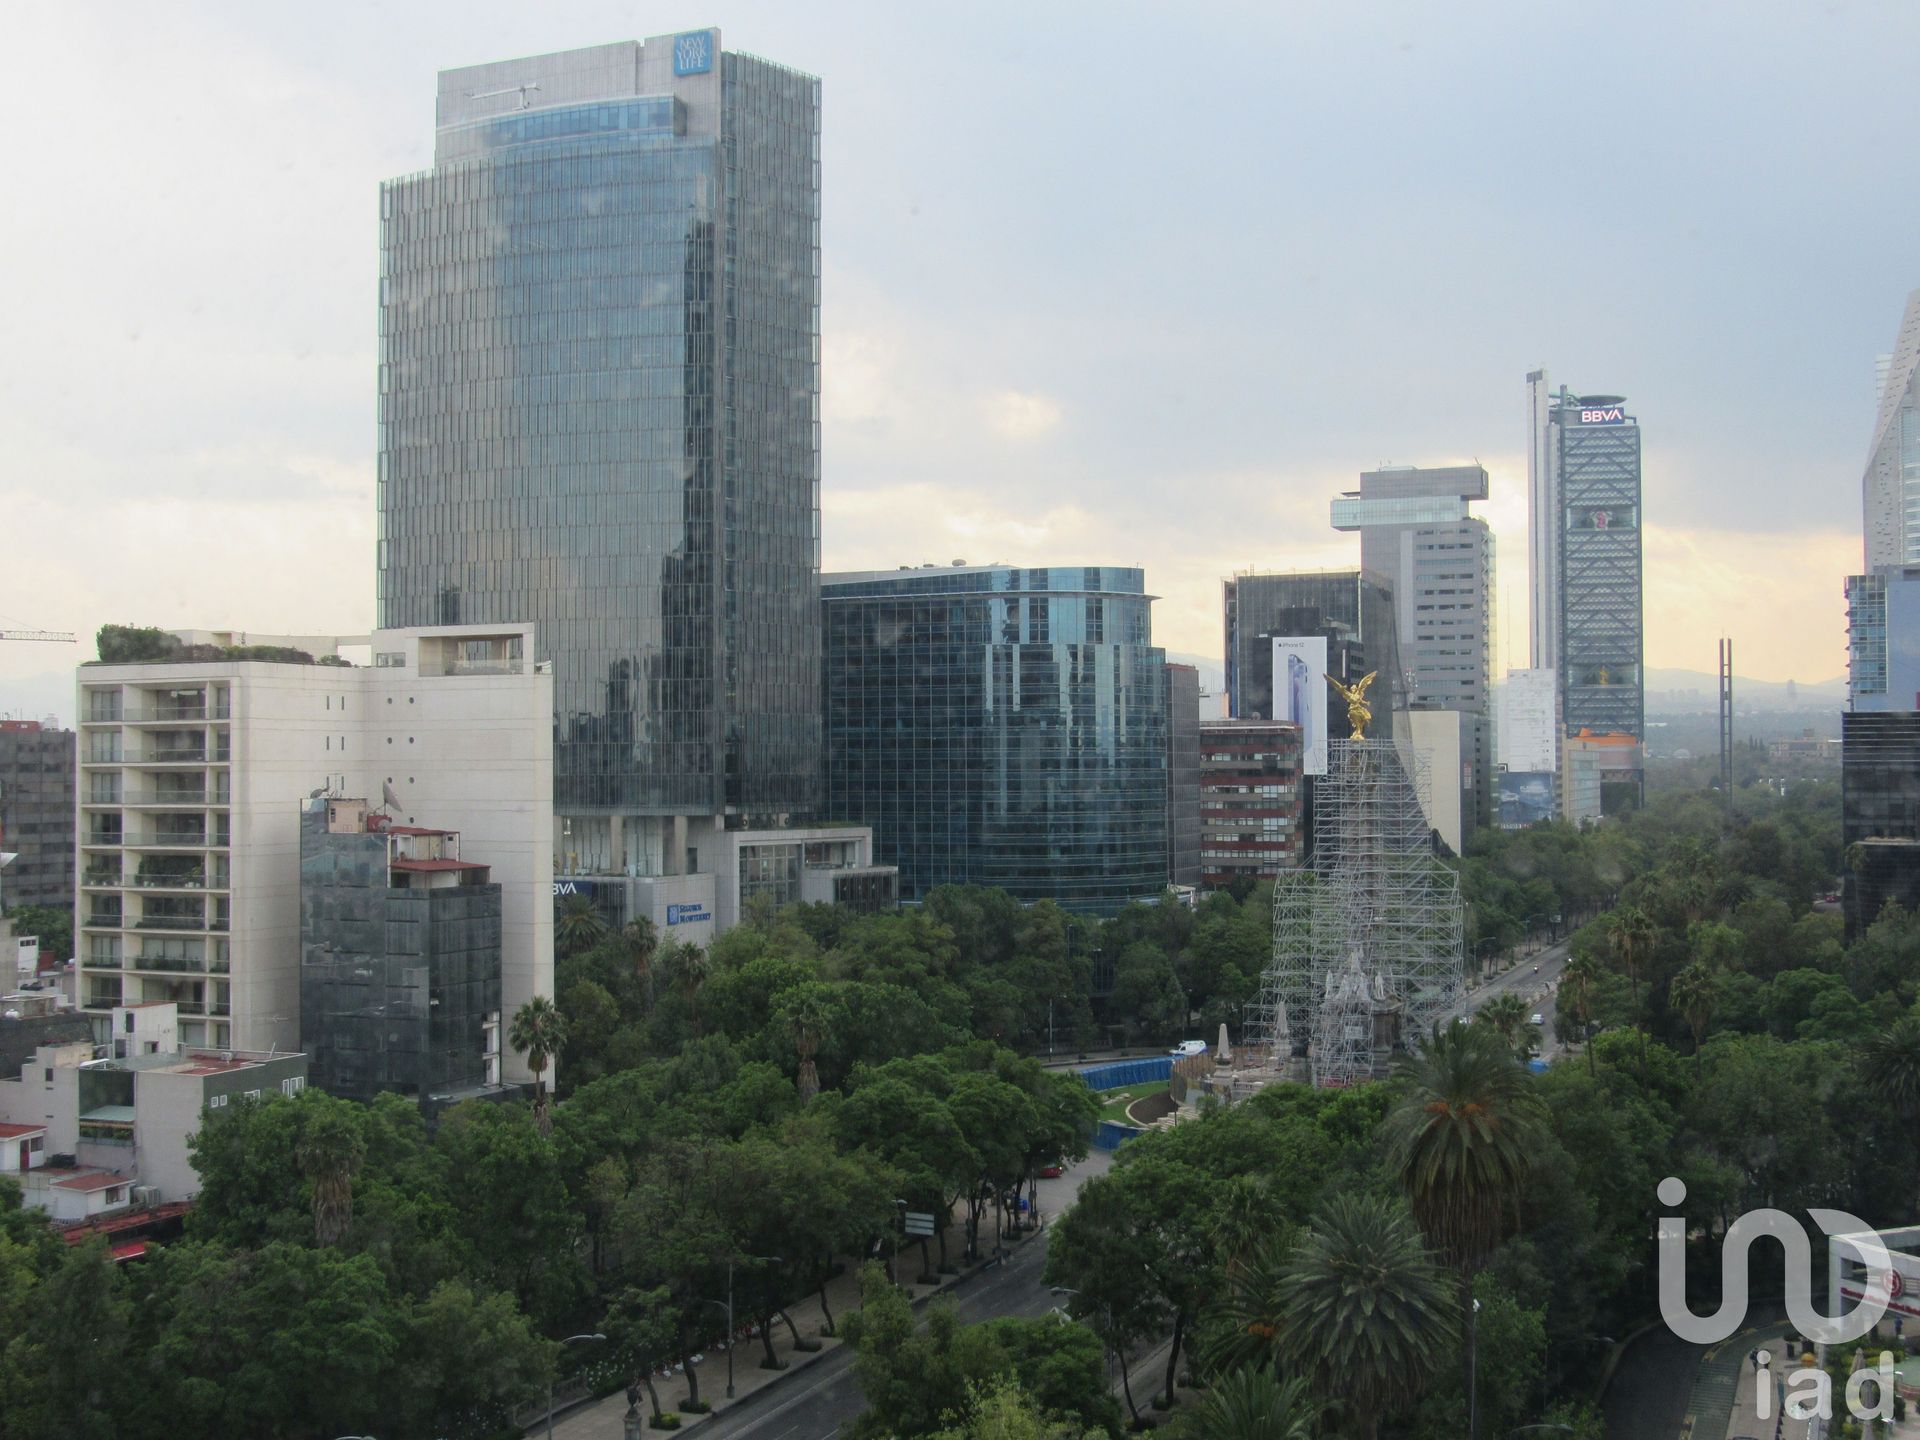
(146, 1197)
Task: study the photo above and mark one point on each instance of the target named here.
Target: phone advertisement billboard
(1300, 694)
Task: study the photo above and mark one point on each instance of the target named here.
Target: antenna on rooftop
(389, 799)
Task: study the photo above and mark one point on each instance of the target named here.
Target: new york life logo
(1809, 1393)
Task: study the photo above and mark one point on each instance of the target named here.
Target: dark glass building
(399, 959)
(37, 814)
(1351, 608)
(1880, 813)
(599, 413)
(1252, 801)
(1183, 775)
(1001, 726)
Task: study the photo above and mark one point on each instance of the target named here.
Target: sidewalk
(605, 1419)
(1744, 1418)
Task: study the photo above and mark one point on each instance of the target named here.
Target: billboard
(1526, 797)
(1300, 695)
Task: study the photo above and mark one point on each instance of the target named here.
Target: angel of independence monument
(1367, 941)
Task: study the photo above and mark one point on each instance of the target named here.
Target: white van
(1188, 1048)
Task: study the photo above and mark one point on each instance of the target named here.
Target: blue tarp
(1128, 1072)
(1111, 1135)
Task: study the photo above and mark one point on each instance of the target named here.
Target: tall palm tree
(1506, 1013)
(810, 1024)
(687, 966)
(1253, 1404)
(538, 1031)
(641, 940)
(1366, 1310)
(578, 926)
(329, 1154)
(1630, 932)
(1463, 1135)
(1890, 1064)
(1579, 986)
(1696, 995)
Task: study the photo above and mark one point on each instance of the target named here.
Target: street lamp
(900, 1224)
(1109, 1346)
(570, 1340)
(732, 1329)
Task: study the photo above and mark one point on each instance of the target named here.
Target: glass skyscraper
(1001, 726)
(599, 413)
(1890, 489)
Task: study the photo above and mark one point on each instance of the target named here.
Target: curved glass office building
(1001, 726)
(599, 405)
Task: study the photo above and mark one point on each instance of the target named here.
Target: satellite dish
(390, 800)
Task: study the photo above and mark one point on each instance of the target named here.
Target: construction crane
(58, 637)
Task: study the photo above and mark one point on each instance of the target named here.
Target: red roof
(415, 830)
(14, 1132)
(128, 1250)
(214, 1064)
(99, 1180)
(125, 1220)
(438, 865)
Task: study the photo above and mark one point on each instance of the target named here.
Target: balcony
(98, 877)
(190, 714)
(170, 964)
(102, 836)
(220, 967)
(104, 920)
(171, 880)
(101, 962)
(169, 799)
(102, 999)
(174, 837)
(171, 922)
(220, 1007)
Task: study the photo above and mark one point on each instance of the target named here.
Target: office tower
(1880, 813)
(1252, 800)
(1883, 639)
(399, 958)
(1584, 504)
(193, 776)
(1543, 549)
(36, 814)
(1183, 774)
(1001, 726)
(1352, 609)
(1529, 754)
(1438, 560)
(599, 413)
(1890, 488)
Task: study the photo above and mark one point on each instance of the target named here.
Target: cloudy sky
(1104, 282)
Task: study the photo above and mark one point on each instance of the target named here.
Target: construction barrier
(1118, 1073)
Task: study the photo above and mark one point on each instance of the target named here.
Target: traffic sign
(919, 1222)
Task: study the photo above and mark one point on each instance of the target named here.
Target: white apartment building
(192, 779)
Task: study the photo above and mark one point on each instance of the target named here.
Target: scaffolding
(1367, 945)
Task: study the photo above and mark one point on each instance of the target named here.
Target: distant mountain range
(1687, 692)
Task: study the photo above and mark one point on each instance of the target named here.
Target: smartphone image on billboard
(1297, 701)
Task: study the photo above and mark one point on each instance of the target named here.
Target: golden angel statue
(1359, 713)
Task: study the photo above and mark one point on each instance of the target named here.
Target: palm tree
(578, 926)
(687, 967)
(1463, 1135)
(538, 1031)
(1366, 1311)
(641, 941)
(329, 1154)
(1253, 1404)
(1242, 1221)
(810, 1023)
(1890, 1064)
(1629, 932)
(1696, 995)
(1579, 984)
(1506, 1013)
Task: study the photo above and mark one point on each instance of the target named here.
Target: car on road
(1051, 1172)
(1188, 1047)
(1536, 1019)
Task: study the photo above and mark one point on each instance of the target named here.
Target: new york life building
(599, 413)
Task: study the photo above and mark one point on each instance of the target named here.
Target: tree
(578, 926)
(1696, 994)
(640, 940)
(1366, 1311)
(640, 1329)
(1890, 1065)
(467, 1356)
(686, 967)
(1630, 932)
(330, 1154)
(1252, 1403)
(1579, 987)
(1463, 1136)
(538, 1031)
(914, 1379)
(1506, 1013)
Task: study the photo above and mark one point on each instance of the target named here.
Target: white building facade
(192, 778)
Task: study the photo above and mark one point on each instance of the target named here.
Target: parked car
(1051, 1172)
(1536, 1019)
(1188, 1048)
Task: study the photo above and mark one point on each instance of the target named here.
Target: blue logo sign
(687, 914)
(693, 55)
(562, 888)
